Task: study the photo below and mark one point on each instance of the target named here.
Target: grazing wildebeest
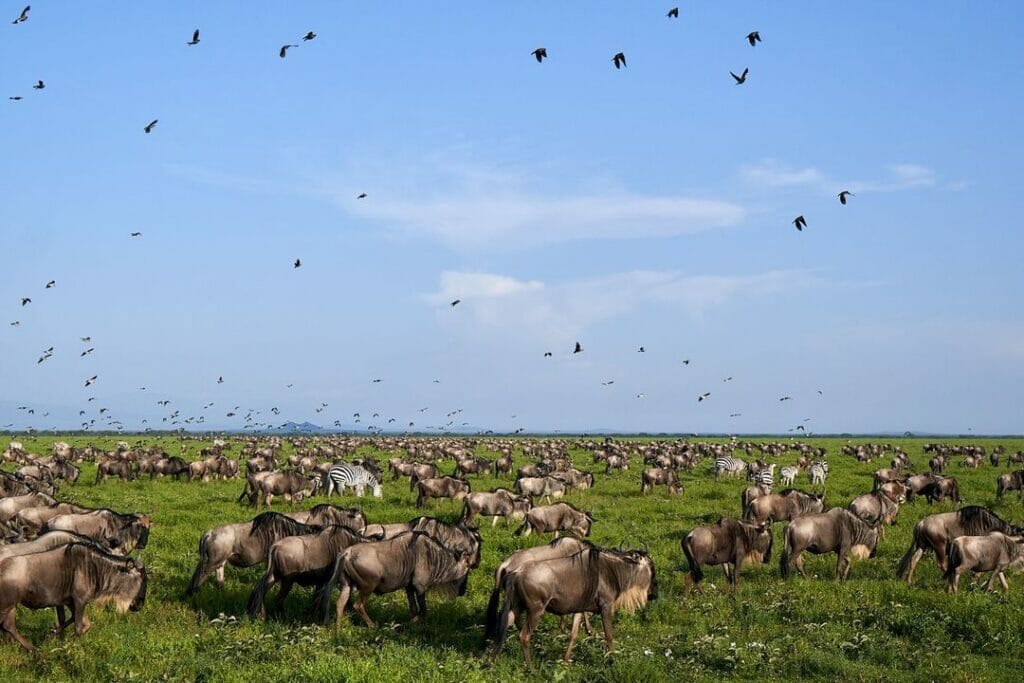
(652, 476)
(30, 521)
(885, 476)
(547, 487)
(995, 552)
(836, 531)
(560, 547)
(326, 514)
(305, 560)
(48, 541)
(502, 465)
(68, 576)
(557, 518)
(597, 581)
(122, 469)
(875, 508)
(413, 561)
(9, 507)
(750, 493)
(1011, 481)
(896, 491)
(441, 487)
(499, 503)
(380, 532)
(172, 466)
(242, 545)
(942, 487)
(616, 462)
(730, 543)
(918, 482)
(533, 471)
(459, 537)
(784, 506)
(471, 465)
(934, 532)
(293, 486)
(110, 529)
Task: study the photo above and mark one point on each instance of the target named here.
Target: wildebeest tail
(501, 630)
(204, 562)
(954, 557)
(521, 529)
(915, 544)
(322, 601)
(259, 593)
(784, 558)
(491, 625)
(696, 573)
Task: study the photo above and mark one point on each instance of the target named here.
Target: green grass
(869, 628)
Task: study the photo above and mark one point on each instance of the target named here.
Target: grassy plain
(869, 628)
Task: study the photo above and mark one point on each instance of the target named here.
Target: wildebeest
(30, 521)
(293, 486)
(413, 561)
(122, 469)
(559, 547)
(653, 476)
(305, 560)
(471, 465)
(125, 532)
(326, 514)
(547, 487)
(836, 531)
(597, 581)
(934, 532)
(498, 503)
(752, 492)
(557, 518)
(68, 576)
(441, 487)
(941, 487)
(730, 543)
(172, 466)
(784, 506)
(9, 507)
(458, 537)
(995, 552)
(242, 545)
(1011, 481)
(875, 508)
(48, 541)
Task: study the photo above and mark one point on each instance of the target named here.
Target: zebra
(817, 472)
(342, 475)
(730, 466)
(789, 475)
(766, 477)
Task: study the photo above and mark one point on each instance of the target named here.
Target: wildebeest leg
(954, 583)
(82, 623)
(727, 570)
(843, 563)
(346, 591)
(219, 581)
(586, 624)
(414, 609)
(360, 608)
(8, 625)
(992, 579)
(1002, 580)
(913, 565)
(940, 557)
(282, 593)
(576, 619)
(798, 560)
(494, 522)
(529, 619)
(606, 622)
(421, 598)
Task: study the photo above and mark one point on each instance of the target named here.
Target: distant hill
(305, 427)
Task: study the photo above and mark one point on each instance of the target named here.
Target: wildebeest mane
(270, 526)
(976, 520)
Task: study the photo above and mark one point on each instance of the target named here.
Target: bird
(25, 300)
(819, 392)
(86, 339)
(43, 357)
(39, 85)
(15, 98)
(541, 53)
(220, 380)
(742, 78)
(640, 395)
(608, 383)
(284, 50)
(195, 38)
(548, 354)
(298, 263)
(150, 126)
(456, 303)
(309, 36)
(843, 195)
(727, 379)
(800, 428)
(86, 352)
(377, 381)
(753, 38)
(686, 362)
(361, 195)
(23, 17)
(786, 398)
(800, 223)
(641, 350)
(705, 395)
(735, 414)
(91, 381)
(51, 284)
(288, 386)
(136, 234)
(578, 349)
(16, 323)
(619, 60)
(673, 13)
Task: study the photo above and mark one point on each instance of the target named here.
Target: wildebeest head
(763, 541)
(140, 596)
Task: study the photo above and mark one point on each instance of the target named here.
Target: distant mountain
(304, 427)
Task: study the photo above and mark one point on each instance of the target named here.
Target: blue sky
(560, 201)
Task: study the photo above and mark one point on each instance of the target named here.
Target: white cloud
(773, 174)
(560, 312)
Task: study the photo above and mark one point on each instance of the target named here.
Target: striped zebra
(730, 466)
(788, 475)
(766, 477)
(818, 472)
(343, 475)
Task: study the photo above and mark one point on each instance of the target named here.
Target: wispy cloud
(771, 173)
(560, 312)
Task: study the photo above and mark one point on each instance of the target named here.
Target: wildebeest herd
(62, 555)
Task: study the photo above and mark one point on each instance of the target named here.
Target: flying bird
(819, 392)
(16, 323)
(619, 60)
(25, 300)
(297, 264)
(548, 354)
(800, 223)
(727, 379)
(686, 362)
(786, 398)
(843, 195)
(51, 284)
(377, 381)
(742, 78)
(640, 395)
(578, 349)
(195, 38)
(361, 195)
(673, 13)
(86, 339)
(753, 38)
(641, 350)
(456, 303)
(284, 50)
(705, 395)
(136, 234)
(39, 85)
(150, 126)
(309, 36)
(220, 380)
(91, 381)
(23, 17)
(735, 414)
(541, 53)
(15, 98)
(86, 352)
(608, 383)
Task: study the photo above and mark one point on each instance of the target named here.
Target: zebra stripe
(788, 475)
(818, 472)
(766, 477)
(729, 465)
(344, 475)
